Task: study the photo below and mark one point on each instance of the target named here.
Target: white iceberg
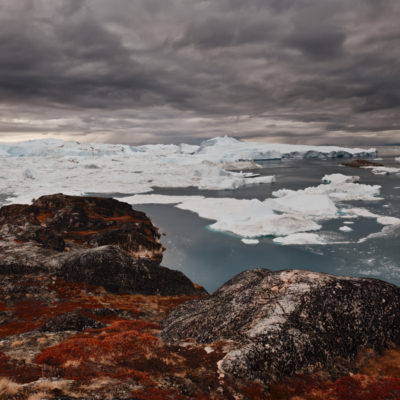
(340, 188)
(300, 239)
(250, 241)
(318, 205)
(345, 228)
(29, 174)
(338, 179)
(383, 170)
(232, 149)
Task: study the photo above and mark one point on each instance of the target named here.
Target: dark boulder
(290, 322)
(71, 321)
(359, 163)
(118, 272)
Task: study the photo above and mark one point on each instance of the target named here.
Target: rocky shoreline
(88, 312)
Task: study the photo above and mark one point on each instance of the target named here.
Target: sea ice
(52, 165)
(250, 241)
(300, 239)
(380, 219)
(29, 174)
(289, 214)
(338, 179)
(231, 149)
(383, 170)
(340, 188)
(345, 229)
(319, 205)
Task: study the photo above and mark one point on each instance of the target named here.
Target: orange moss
(123, 218)
(155, 393)
(16, 327)
(253, 390)
(125, 344)
(363, 388)
(387, 364)
(82, 233)
(354, 387)
(42, 216)
(18, 373)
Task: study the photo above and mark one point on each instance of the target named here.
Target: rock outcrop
(92, 240)
(58, 221)
(290, 322)
(359, 163)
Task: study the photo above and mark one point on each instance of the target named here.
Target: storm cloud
(153, 71)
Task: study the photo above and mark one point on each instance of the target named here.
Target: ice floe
(380, 219)
(383, 170)
(339, 188)
(250, 241)
(300, 238)
(292, 216)
(310, 204)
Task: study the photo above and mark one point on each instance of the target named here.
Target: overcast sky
(168, 71)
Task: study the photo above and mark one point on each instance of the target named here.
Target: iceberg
(383, 170)
(300, 239)
(250, 241)
(228, 148)
(339, 188)
(338, 179)
(318, 204)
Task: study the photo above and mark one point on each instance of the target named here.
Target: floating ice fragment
(339, 178)
(383, 170)
(250, 241)
(29, 174)
(300, 239)
(306, 204)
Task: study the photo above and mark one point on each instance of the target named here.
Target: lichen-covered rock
(71, 321)
(290, 322)
(92, 240)
(56, 221)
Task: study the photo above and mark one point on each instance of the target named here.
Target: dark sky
(160, 71)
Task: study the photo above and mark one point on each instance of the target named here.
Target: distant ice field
(227, 205)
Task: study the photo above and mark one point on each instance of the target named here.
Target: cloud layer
(183, 70)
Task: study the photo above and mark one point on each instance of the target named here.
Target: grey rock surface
(287, 322)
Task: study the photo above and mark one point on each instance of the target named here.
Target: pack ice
(49, 166)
